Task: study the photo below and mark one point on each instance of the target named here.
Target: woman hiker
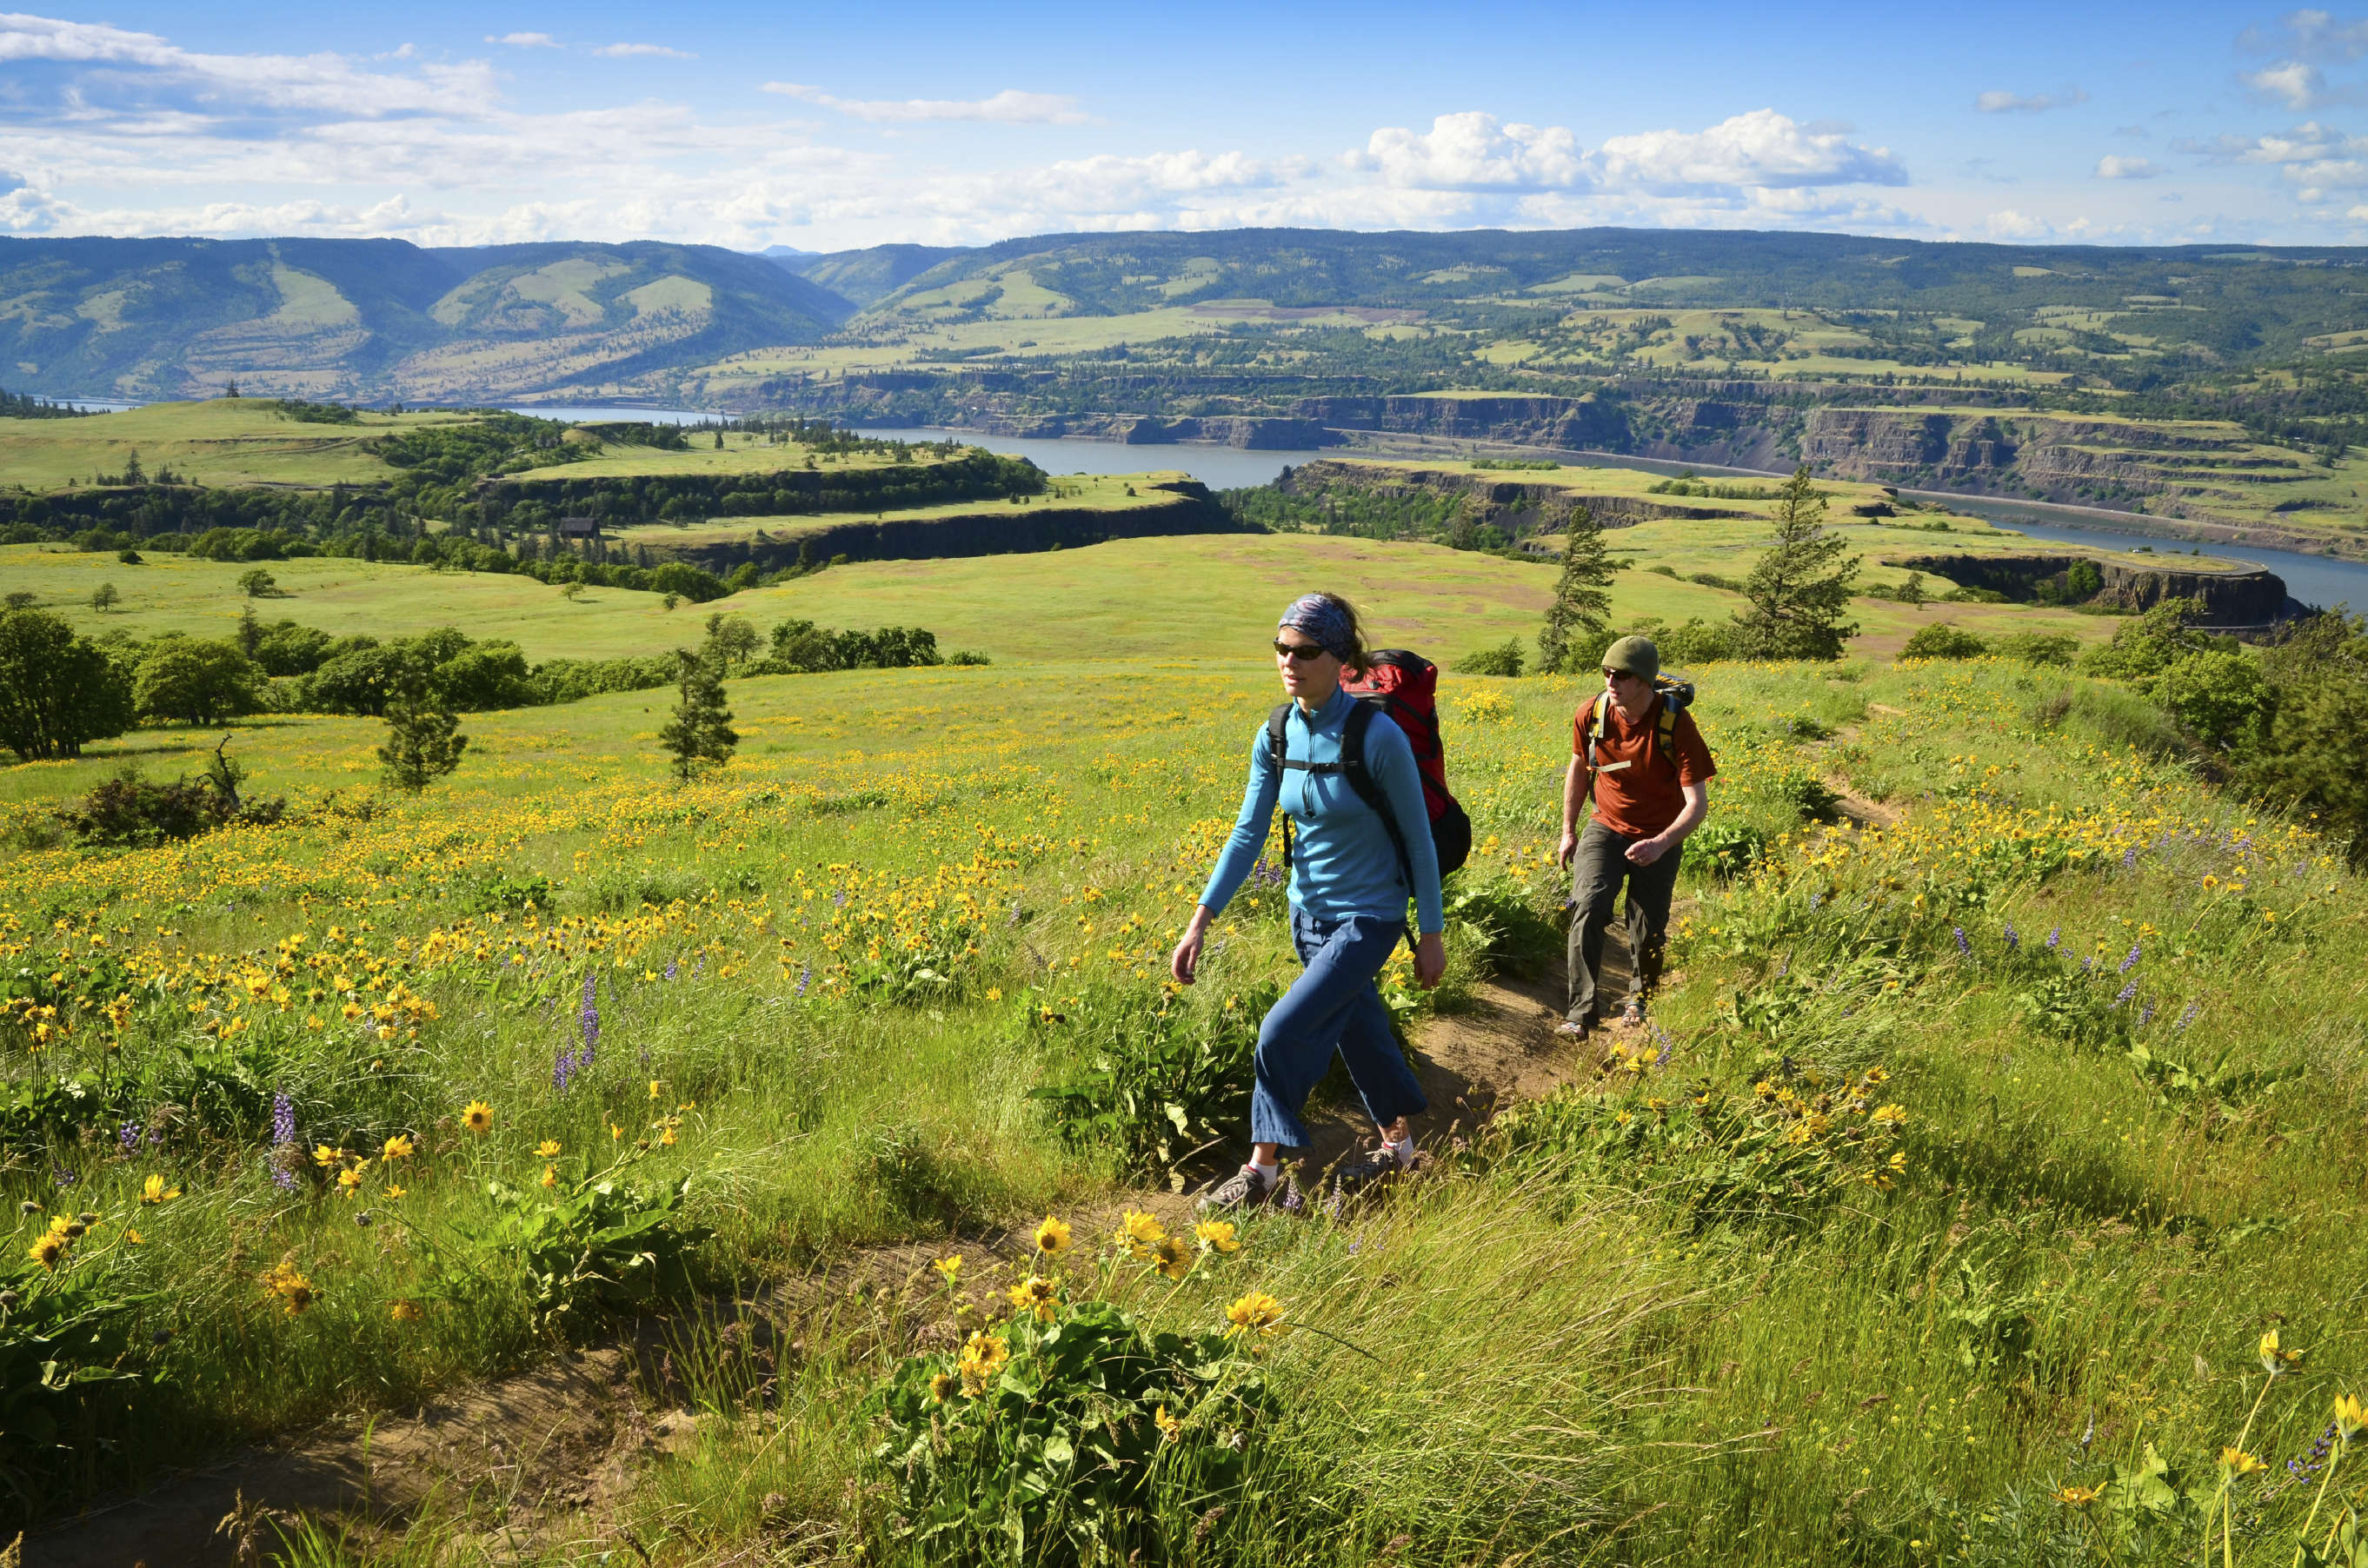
(1349, 893)
(1649, 792)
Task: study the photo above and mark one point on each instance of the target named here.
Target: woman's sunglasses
(1302, 651)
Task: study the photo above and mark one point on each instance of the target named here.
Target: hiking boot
(1378, 1166)
(1633, 1015)
(1245, 1189)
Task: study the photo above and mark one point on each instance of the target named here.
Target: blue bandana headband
(1314, 616)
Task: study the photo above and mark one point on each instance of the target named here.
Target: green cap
(1635, 654)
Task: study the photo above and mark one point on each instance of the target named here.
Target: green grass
(1548, 1353)
(225, 441)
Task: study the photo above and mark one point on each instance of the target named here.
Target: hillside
(373, 320)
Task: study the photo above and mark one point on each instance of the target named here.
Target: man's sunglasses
(1297, 650)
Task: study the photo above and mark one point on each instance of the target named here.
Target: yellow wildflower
(551, 1175)
(1170, 1427)
(2349, 1416)
(1216, 1235)
(948, 1266)
(1138, 1233)
(2274, 1361)
(939, 1386)
(324, 1156)
(1256, 1312)
(406, 1311)
(1172, 1257)
(392, 1191)
(1052, 1237)
(478, 1118)
(1035, 1294)
(2236, 1462)
(348, 1182)
(547, 1149)
(656, 1084)
(2078, 1496)
(397, 1148)
(154, 1191)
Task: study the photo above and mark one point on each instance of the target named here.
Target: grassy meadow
(222, 442)
(2008, 1086)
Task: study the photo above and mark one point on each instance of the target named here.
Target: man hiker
(1644, 765)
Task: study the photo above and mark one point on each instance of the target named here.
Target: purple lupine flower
(590, 1018)
(2055, 936)
(1784, 967)
(563, 1071)
(672, 968)
(283, 1119)
(129, 1136)
(64, 1177)
(1964, 948)
(2127, 993)
(2088, 964)
(2129, 960)
(2146, 1015)
(2013, 937)
(2188, 1016)
(1015, 913)
(2129, 857)
(1661, 1057)
(805, 973)
(839, 899)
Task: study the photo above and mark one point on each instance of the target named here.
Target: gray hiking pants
(1597, 873)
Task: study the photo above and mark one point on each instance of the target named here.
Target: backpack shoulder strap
(1276, 751)
(1361, 778)
(1594, 728)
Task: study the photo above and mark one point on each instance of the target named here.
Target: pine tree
(1798, 593)
(700, 734)
(1579, 623)
(422, 742)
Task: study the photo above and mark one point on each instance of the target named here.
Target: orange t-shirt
(1643, 796)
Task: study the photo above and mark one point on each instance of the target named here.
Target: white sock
(1268, 1173)
(1402, 1152)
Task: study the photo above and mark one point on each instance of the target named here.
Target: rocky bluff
(2231, 596)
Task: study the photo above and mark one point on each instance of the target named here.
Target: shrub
(1505, 659)
(966, 659)
(1727, 846)
(198, 683)
(1061, 1434)
(57, 691)
(1943, 640)
(130, 809)
(2216, 694)
(1149, 1077)
(2045, 649)
(681, 577)
(1697, 642)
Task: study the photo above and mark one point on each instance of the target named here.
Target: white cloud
(1473, 151)
(1999, 102)
(1759, 149)
(1009, 106)
(620, 50)
(522, 40)
(2307, 35)
(2114, 168)
(2013, 225)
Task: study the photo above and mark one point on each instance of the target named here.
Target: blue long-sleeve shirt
(1342, 861)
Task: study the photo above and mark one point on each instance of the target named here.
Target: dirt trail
(533, 1449)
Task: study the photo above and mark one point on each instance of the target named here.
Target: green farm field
(1899, 1218)
(223, 441)
(1199, 597)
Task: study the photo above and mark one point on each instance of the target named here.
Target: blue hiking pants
(1333, 1006)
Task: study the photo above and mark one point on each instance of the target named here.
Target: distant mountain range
(378, 320)
(371, 319)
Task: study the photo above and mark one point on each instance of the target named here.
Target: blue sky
(829, 127)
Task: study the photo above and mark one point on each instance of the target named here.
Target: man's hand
(1567, 850)
(1186, 960)
(1644, 851)
(1429, 959)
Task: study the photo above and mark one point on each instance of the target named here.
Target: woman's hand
(1429, 959)
(1186, 960)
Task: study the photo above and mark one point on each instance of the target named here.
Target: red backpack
(1404, 687)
